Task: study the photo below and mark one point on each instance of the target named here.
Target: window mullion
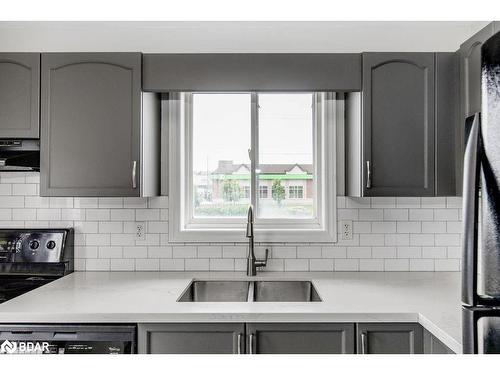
(254, 151)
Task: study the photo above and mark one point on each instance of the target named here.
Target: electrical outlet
(346, 226)
(140, 229)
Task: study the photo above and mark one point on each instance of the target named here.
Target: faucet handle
(262, 262)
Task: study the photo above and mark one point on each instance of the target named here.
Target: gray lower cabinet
(94, 122)
(398, 122)
(19, 95)
(300, 338)
(432, 345)
(389, 338)
(191, 338)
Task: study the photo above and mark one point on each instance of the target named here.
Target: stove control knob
(34, 245)
(51, 245)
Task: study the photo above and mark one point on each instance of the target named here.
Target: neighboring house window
(224, 145)
(262, 192)
(296, 192)
(246, 192)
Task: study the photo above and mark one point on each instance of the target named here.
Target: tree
(278, 192)
(231, 191)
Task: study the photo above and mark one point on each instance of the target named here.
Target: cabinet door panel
(91, 121)
(302, 338)
(398, 124)
(390, 338)
(433, 345)
(19, 95)
(190, 338)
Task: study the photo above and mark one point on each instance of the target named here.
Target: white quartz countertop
(429, 298)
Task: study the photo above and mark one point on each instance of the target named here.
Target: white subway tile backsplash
(421, 265)
(433, 202)
(371, 239)
(197, 264)
(172, 264)
(434, 252)
(296, 265)
(147, 264)
(384, 226)
(308, 252)
(97, 264)
(122, 264)
(346, 264)
(391, 234)
(384, 252)
(447, 265)
(184, 252)
(235, 251)
(48, 214)
(359, 252)
(421, 214)
(371, 264)
(396, 214)
(409, 227)
(110, 252)
(24, 189)
(321, 264)
(6, 214)
(371, 214)
(159, 252)
(122, 214)
(333, 252)
(98, 214)
(11, 201)
(396, 265)
(221, 264)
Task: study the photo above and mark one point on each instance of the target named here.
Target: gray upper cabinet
(191, 338)
(252, 72)
(398, 124)
(19, 95)
(447, 123)
(95, 120)
(389, 338)
(303, 338)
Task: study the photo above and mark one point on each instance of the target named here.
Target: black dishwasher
(67, 339)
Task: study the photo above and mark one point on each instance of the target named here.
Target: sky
(221, 128)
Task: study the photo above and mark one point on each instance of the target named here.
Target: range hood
(19, 155)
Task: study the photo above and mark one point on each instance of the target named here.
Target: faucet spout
(252, 262)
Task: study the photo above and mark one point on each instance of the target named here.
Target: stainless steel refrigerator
(481, 213)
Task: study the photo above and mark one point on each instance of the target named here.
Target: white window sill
(265, 236)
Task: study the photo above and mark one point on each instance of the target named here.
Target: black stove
(30, 258)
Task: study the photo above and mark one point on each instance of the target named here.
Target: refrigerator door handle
(472, 160)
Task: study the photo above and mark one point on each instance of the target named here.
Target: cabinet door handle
(134, 174)
(368, 175)
(364, 343)
(250, 343)
(239, 343)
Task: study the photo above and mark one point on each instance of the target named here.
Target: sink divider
(251, 291)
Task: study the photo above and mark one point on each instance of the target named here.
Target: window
(296, 192)
(263, 192)
(225, 145)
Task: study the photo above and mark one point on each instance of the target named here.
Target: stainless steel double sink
(250, 291)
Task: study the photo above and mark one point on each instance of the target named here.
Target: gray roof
(228, 167)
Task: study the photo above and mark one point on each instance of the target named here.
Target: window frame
(183, 227)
